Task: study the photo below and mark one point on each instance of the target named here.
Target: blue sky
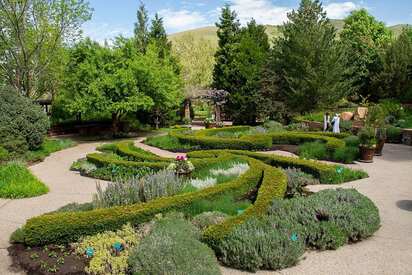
(115, 17)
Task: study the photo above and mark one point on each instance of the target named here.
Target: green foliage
(136, 190)
(34, 34)
(352, 141)
(104, 261)
(347, 154)
(4, 154)
(363, 37)
(313, 150)
(297, 180)
(169, 142)
(47, 147)
(205, 219)
(325, 220)
(172, 247)
(23, 125)
(366, 137)
(17, 182)
(259, 244)
(393, 80)
(307, 38)
(394, 134)
(346, 126)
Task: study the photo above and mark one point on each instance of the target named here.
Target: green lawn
(16, 182)
(49, 146)
(167, 142)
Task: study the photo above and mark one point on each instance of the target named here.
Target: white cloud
(103, 31)
(263, 11)
(340, 10)
(179, 20)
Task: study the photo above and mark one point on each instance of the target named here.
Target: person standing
(326, 122)
(335, 123)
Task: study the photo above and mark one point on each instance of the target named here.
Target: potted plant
(209, 123)
(376, 120)
(367, 144)
(380, 140)
(181, 166)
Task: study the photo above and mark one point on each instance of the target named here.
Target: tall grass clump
(17, 182)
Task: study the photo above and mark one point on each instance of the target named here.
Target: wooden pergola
(216, 97)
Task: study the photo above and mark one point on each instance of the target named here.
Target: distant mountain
(209, 33)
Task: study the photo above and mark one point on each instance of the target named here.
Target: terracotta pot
(379, 147)
(366, 153)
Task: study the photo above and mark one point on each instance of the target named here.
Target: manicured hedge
(70, 226)
(273, 185)
(206, 139)
(105, 159)
(326, 173)
(125, 148)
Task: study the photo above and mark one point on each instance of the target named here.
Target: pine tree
(307, 61)
(227, 33)
(141, 28)
(158, 36)
(249, 56)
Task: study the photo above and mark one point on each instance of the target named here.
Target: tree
(32, 33)
(306, 66)
(196, 57)
(158, 36)
(141, 32)
(363, 37)
(119, 80)
(227, 33)
(395, 79)
(249, 57)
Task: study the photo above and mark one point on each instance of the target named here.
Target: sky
(116, 17)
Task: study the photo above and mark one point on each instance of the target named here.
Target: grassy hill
(209, 33)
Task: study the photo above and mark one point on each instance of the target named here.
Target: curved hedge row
(206, 139)
(125, 148)
(70, 226)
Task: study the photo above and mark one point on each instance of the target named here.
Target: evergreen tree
(158, 36)
(249, 56)
(395, 79)
(227, 33)
(307, 64)
(363, 37)
(141, 28)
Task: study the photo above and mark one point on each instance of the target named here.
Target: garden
(196, 157)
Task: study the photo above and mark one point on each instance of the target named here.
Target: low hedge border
(274, 184)
(125, 149)
(70, 226)
(206, 140)
(326, 173)
(100, 159)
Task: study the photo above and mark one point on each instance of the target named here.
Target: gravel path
(389, 251)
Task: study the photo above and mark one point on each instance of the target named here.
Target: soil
(47, 260)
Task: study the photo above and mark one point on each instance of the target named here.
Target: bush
(104, 260)
(394, 134)
(352, 141)
(17, 182)
(297, 180)
(273, 126)
(346, 126)
(313, 150)
(135, 190)
(4, 154)
(367, 137)
(262, 244)
(173, 247)
(346, 154)
(21, 120)
(297, 127)
(205, 219)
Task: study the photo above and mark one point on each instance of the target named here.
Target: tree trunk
(115, 124)
(187, 109)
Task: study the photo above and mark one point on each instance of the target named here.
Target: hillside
(209, 33)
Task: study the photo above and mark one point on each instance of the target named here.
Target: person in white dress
(335, 123)
(326, 122)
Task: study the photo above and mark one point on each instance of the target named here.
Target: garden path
(65, 187)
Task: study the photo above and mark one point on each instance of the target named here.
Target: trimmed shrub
(297, 180)
(205, 219)
(346, 154)
(21, 120)
(173, 247)
(352, 141)
(313, 150)
(262, 244)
